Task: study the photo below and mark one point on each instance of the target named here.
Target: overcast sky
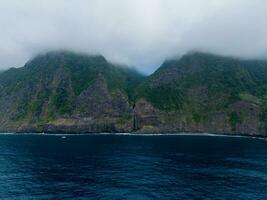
(139, 33)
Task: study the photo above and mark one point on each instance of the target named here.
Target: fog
(140, 33)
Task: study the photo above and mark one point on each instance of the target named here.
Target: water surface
(132, 167)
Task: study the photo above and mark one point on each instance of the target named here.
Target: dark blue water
(132, 167)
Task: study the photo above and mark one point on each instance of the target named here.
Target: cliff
(67, 92)
(76, 93)
(204, 93)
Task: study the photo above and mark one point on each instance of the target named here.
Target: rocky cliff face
(67, 92)
(204, 93)
(153, 120)
(74, 93)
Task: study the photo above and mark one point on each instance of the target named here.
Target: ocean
(132, 167)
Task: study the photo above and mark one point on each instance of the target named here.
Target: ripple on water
(132, 167)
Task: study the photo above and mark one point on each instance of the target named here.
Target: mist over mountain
(135, 33)
(133, 99)
(85, 92)
(205, 93)
(62, 91)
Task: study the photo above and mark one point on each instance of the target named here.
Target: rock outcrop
(66, 92)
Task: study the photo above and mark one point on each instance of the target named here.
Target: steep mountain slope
(69, 92)
(204, 93)
(65, 91)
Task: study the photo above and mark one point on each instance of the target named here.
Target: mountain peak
(64, 57)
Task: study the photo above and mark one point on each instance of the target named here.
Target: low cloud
(137, 33)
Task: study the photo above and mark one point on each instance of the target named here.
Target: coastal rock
(66, 92)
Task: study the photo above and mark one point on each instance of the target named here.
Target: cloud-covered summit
(140, 33)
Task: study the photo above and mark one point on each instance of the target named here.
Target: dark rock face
(147, 117)
(152, 120)
(70, 93)
(204, 93)
(96, 101)
(250, 115)
(67, 92)
(96, 110)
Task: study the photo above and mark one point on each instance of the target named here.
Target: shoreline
(140, 134)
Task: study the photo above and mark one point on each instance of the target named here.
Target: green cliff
(70, 92)
(205, 93)
(66, 91)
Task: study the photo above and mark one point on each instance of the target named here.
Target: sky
(140, 33)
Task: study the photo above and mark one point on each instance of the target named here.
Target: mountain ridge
(201, 87)
(48, 87)
(199, 92)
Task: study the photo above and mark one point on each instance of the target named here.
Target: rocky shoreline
(136, 134)
(64, 92)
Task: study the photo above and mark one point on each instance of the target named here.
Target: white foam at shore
(138, 134)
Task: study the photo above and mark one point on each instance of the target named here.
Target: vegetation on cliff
(48, 86)
(200, 84)
(198, 92)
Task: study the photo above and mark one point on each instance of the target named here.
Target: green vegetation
(227, 80)
(234, 120)
(47, 86)
(165, 98)
(196, 117)
(124, 120)
(198, 88)
(250, 98)
(264, 112)
(62, 101)
(201, 84)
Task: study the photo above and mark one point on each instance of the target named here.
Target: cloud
(138, 33)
